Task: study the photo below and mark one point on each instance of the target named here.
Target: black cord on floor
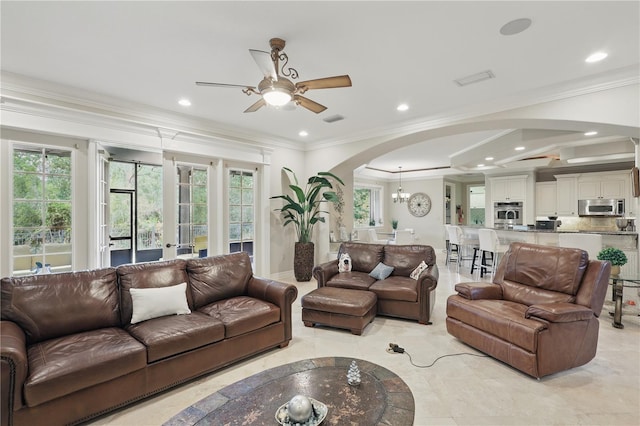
(395, 349)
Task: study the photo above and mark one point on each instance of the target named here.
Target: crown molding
(43, 98)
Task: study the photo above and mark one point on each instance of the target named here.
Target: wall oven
(507, 214)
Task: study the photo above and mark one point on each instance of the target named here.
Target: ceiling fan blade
(309, 104)
(266, 65)
(324, 83)
(205, 83)
(256, 106)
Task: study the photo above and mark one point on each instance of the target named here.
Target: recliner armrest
(479, 290)
(323, 272)
(559, 312)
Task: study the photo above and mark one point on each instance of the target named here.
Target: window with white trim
(367, 205)
(42, 194)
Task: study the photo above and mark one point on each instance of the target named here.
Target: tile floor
(460, 390)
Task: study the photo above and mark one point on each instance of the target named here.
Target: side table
(619, 282)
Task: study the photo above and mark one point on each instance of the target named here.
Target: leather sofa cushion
(353, 280)
(75, 302)
(364, 257)
(499, 318)
(396, 288)
(61, 366)
(219, 277)
(242, 314)
(563, 274)
(150, 275)
(172, 335)
(405, 259)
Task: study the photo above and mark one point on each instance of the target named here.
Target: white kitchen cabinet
(566, 195)
(546, 199)
(509, 188)
(612, 186)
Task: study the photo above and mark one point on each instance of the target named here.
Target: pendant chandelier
(400, 196)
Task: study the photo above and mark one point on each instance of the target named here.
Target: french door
(186, 230)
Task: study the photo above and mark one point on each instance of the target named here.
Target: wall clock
(419, 204)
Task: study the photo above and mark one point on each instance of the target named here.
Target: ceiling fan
(278, 90)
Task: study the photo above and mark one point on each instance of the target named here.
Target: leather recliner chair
(540, 313)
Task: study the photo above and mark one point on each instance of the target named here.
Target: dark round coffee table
(382, 398)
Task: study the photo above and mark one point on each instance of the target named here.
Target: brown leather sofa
(70, 353)
(540, 313)
(398, 295)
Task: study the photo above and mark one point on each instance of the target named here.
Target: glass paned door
(192, 211)
(241, 211)
(121, 226)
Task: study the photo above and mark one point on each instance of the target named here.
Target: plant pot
(303, 260)
(615, 269)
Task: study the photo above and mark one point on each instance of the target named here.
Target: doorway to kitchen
(476, 204)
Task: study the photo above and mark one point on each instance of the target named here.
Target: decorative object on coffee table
(301, 410)
(304, 212)
(353, 375)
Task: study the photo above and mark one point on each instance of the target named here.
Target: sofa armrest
(281, 294)
(428, 279)
(479, 290)
(13, 368)
(323, 272)
(559, 312)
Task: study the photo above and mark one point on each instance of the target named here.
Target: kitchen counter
(624, 240)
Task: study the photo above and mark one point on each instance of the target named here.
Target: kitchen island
(627, 241)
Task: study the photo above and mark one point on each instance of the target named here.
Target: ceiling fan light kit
(277, 90)
(276, 93)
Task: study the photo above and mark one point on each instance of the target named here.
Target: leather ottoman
(340, 308)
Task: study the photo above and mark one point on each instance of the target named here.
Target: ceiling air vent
(475, 78)
(333, 118)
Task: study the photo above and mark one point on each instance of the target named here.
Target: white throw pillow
(344, 263)
(157, 302)
(416, 272)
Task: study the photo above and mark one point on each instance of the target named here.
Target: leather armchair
(540, 313)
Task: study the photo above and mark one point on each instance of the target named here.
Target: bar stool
(458, 242)
(489, 245)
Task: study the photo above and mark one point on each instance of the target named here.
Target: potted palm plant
(615, 256)
(303, 211)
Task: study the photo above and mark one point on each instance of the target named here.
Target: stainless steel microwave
(601, 207)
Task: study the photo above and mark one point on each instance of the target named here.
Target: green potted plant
(394, 224)
(303, 210)
(615, 256)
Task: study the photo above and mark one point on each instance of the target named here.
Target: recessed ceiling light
(591, 133)
(303, 133)
(488, 158)
(184, 102)
(595, 57)
(519, 148)
(480, 165)
(402, 107)
(515, 27)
